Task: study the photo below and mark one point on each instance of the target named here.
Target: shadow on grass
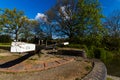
(16, 61)
(5, 48)
(21, 59)
(69, 53)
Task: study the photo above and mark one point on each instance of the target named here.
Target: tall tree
(62, 13)
(77, 17)
(12, 21)
(89, 15)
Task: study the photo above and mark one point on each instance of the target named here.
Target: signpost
(22, 47)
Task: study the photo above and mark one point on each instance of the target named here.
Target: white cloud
(64, 12)
(63, 8)
(41, 17)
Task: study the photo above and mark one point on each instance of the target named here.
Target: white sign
(66, 43)
(22, 47)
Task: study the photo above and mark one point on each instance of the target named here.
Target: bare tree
(63, 13)
(113, 24)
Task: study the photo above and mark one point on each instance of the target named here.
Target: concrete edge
(99, 71)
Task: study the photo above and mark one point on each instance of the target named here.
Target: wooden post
(39, 42)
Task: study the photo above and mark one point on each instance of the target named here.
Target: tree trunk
(16, 35)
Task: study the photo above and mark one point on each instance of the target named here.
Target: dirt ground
(70, 71)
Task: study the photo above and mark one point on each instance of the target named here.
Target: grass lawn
(5, 44)
(109, 79)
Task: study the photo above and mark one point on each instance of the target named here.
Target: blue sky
(109, 6)
(32, 7)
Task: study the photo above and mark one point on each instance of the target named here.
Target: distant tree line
(5, 39)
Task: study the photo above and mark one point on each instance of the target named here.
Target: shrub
(90, 52)
(99, 53)
(113, 44)
(109, 56)
(74, 45)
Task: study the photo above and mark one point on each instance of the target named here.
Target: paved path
(113, 77)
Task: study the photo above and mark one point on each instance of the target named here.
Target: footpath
(113, 77)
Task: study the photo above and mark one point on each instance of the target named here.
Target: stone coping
(99, 71)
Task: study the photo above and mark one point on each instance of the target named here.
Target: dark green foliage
(113, 44)
(113, 66)
(90, 53)
(5, 39)
(75, 46)
(95, 52)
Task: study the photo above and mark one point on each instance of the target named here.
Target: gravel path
(68, 71)
(113, 77)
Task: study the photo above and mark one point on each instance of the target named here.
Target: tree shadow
(69, 53)
(16, 61)
(5, 48)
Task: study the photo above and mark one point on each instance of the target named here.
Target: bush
(109, 56)
(99, 53)
(90, 52)
(95, 52)
(113, 44)
(74, 45)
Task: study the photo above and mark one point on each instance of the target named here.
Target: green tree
(12, 21)
(78, 18)
(89, 15)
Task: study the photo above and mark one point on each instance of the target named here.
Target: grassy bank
(113, 67)
(110, 58)
(5, 46)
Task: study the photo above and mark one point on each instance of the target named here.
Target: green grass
(109, 79)
(5, 44)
